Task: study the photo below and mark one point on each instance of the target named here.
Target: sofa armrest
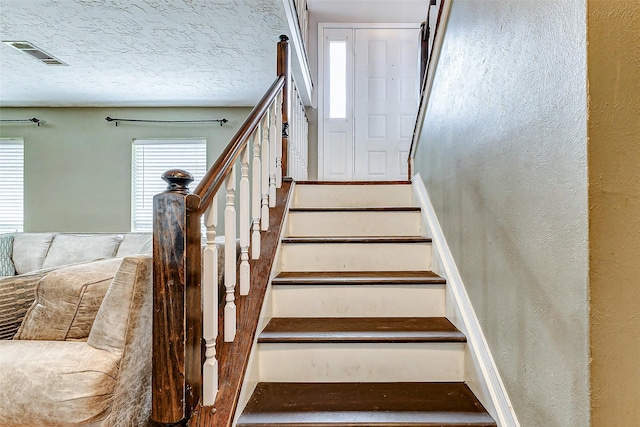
(123, 326)
(55, 383)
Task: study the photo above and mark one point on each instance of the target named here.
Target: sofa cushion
(132, 244)
(6, 250)
(48, 383)
(67, 301)
(73, 248)
(30, 250)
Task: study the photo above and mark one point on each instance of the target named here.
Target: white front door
(370, 102)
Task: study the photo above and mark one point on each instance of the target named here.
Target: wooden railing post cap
(284, 38)
(178, 180)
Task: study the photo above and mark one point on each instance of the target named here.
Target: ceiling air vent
(35, 52)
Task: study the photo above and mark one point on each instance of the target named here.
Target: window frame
(12, 185)
(175, 148)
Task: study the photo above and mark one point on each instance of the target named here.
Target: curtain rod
(221, 121)
(32, 120)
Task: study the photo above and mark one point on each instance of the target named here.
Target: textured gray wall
(503, 156)
(78, 166)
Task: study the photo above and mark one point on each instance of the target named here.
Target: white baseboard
(481, 373)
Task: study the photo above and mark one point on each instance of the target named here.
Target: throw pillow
(67, 301)
(6, 252)
(147, 248)
(29, 251)
(131, 244)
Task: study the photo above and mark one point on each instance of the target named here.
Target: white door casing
(371, 141)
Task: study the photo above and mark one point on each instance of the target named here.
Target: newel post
(177, 313)
(284, 69)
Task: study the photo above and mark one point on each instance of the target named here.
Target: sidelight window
(338, 79)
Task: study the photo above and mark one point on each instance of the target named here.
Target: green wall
(78, 166)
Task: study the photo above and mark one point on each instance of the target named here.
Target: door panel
(339, 149)
(385, 101)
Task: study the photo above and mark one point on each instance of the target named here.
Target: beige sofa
(33, 255)
(82, 354)
(77, 337)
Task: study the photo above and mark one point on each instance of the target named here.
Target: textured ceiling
(159, 52)
(140, 52)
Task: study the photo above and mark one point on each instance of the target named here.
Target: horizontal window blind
(152, 158)
(11, 185)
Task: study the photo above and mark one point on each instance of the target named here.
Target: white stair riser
(352, 195)
(356, 257)
(334, 362)
(358, 300)
(355, 224)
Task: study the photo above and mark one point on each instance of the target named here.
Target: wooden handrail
(185, 279)
(213, 179)
(430, 48)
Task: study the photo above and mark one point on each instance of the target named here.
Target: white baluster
(298, 145)
(264, 185)
(245, 223)
(293, 132)
(279, 140)
(293, 140)
(210, 307)
(255, 199)
(305, 144)
(272, 154)
(303, 141)
(300, 140)
(292, 156)
(230, 257)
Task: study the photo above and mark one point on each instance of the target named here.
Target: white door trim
(321, 77)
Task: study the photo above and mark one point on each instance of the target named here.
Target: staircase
(358, 334)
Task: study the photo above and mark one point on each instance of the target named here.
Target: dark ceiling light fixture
(34, 52)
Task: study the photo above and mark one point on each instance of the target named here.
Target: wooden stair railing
(431, 42)
(185, 295)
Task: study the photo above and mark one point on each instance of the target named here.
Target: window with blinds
(11, 185)
(152, 158)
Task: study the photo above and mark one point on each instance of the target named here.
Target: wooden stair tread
(357, 277)
(360, 330)
(358, 209)
(341, 239)
(364, 404)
